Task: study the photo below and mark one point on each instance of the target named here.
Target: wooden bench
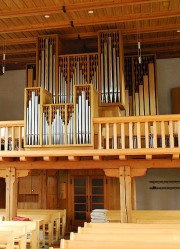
(111, 236)
(19, 234)
(23, 229)
(82, 244)
(58, 219)
(138, 215)
(7, 239)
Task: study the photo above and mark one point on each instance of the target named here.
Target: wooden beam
(73, 158)
(96, 21)
(70, 7)
(91, 164)
(29, 159)
(98, 158)
(133, 172)
(50, 159)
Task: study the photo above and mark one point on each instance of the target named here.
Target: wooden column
(11, 176)
(127, 189)
(125, 194)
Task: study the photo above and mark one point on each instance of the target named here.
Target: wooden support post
(125, 194)
(11, 194)
(11, 175)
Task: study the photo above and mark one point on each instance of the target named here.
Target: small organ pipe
(115, 75)
(110, 70)
(103, 98)
(106, 72)
(54, 79)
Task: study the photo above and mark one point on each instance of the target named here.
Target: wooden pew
(30, 230)
(7, 239)
(111, 236)
(81, 244)
(19, 234)
(151, 215)
(118, 225)
(58, 218)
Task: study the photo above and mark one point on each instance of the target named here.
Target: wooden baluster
(6, 139)
(138, 135)
(99, 137)
(163, 134)
(20, 137)
(171, 134)
(146, 135)
(178, 129)
(130, 135)
(115, 136)
(107, 136)
(13, 138)
(155, 134)
(122, 136)
(0, 138)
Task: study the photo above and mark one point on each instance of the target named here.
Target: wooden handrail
(138, 132)
(11, 135)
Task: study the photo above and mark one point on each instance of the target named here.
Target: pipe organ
(111, 67)
(75, 70)
(64, 124)
(34, 99)
(141, 93)
(47, 57)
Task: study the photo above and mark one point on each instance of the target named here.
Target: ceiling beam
(70, 7)
(27, 40)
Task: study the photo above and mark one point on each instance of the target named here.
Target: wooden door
(87, 193)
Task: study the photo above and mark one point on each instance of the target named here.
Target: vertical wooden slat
(141, 100)
(6, 139)
(107, 136)
(171, 134)
(146, 135)
(130, 135)
(122, 136)
(163, 134)
(138, 135)
(99, 137)
(154, 134)
(115, 135)
(137, 104)
(20, 137)
(127, 102)
(178, 130)
(13, 138)
(0, 138)
(146, 95)
(152, 89)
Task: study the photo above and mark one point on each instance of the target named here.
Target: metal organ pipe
(110, 75)
(83, 120)
(33, 120)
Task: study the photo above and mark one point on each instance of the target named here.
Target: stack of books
(99, 215)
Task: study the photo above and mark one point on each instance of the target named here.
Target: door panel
(87, 194)
(80, 188)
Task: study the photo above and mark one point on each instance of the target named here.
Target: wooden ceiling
(22, 21)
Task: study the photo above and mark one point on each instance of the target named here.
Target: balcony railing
(113, 136)
(11, 135)
(138, 132)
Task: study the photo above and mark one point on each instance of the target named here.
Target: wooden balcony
(115, 139)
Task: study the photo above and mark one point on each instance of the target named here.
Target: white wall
(168, 76)
(157, 199)
(12, 85)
